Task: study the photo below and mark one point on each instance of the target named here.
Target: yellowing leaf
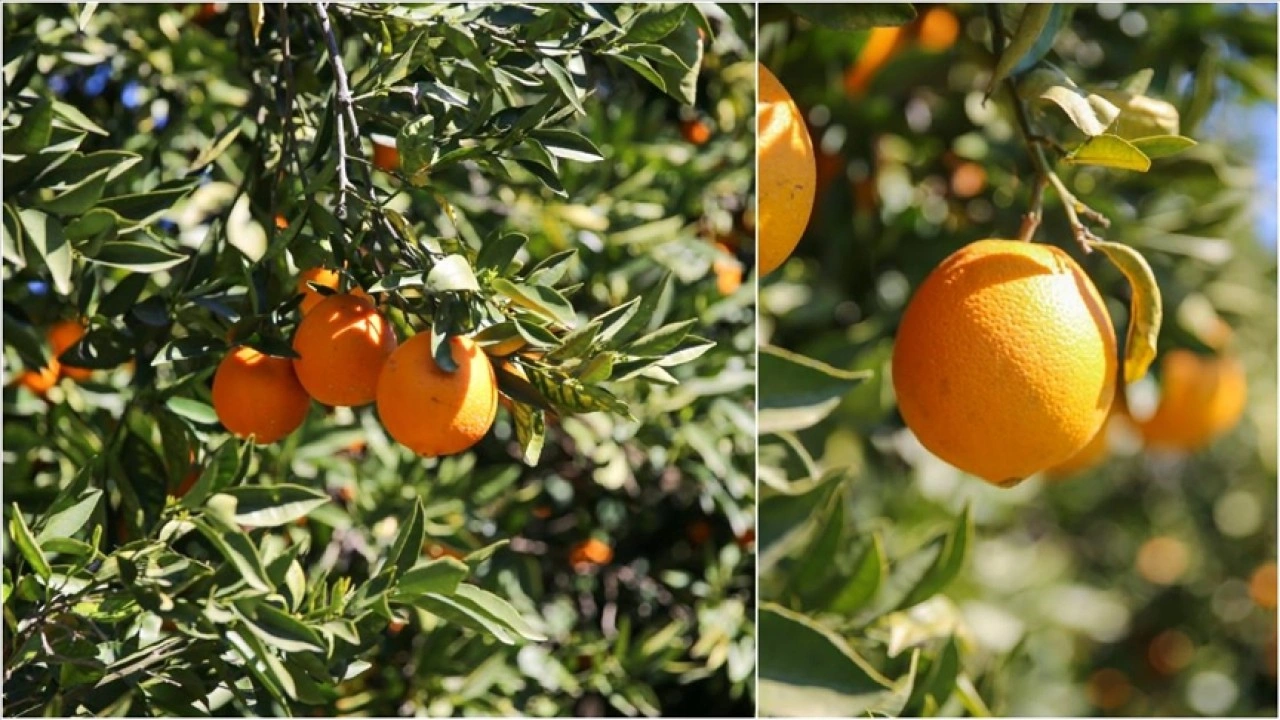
(1146, 308)
(1109, 151)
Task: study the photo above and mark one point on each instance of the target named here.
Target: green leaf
(136, 256)
(72, 115)
(143, 208)
(1034, 34)
(568, 145)
(94, 223)
(264, 665)
(498, 609)
(784, 517)
(654, 21)
(440, 576)
(237, 548)
(863, 582)
(797, 392)
(813, 566)
(452, 274)
(186, 348)
(408, 545)
(861, 16)
(35, 131)
(221, 470)
(808, 670)
(193, 410)
(1160, 146)
(71, 520)
(1109, 151)
(219, 146)
(79, 197)
(276, 628)
(273, 505)
(45, 234)
(27, 544)
(397, 280)
(563, 81)
(543, 301)
(662, 340)
(498, 252)
(531, 431)
(1090, 112)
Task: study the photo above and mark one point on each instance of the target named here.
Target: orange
(1262, 586)
(788, 174)
(695, 131)
(1005, 360)
(324, 277)
(1093, 454)
(62, 335)
(39, 381)
(386, 156)
(342, 345)
(590, 552)
(258, 395)
(938, 29)
(433, 412)
(882, 44)
(727, 269)
(1201, 397)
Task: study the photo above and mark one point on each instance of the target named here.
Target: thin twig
(1031, 220)
(343, 113)
(1071, 205)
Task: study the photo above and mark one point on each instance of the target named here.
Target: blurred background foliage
(628, 546)
(1143, 583)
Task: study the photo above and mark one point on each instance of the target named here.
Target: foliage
(167, 172)
(931, 593)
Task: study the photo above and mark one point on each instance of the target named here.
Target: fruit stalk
(1071, 205)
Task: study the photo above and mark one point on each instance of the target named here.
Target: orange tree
(510, 260)
(898, 372)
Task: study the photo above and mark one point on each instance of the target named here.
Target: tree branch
(1071, 205)
(344, 112)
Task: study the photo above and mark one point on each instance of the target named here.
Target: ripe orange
(62, 335)
(1201, 397)
(881, 45)
(433, 412)
(342, 344)
(590, 552)
(728, 271)
(258, 395)
(386, 156)
(1005, 360)
(1262, 586)
(788, 174)
(324, 277)
(938, 29)
(695, 131)
(39, 381)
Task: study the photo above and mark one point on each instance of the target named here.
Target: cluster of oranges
(61, 336)
(348, 355)
(1005, 365)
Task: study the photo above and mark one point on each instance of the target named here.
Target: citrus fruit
(342, 344)
(1005, 361)
(39, 381)
(695, 131)
(787, 174)
(727, 269)
(62, 335)
(938, 29)
(882, 44)
(431, 411)
(386, 156)
(590, 552)
(258, 395)
(1201, 397)
(323, 277)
